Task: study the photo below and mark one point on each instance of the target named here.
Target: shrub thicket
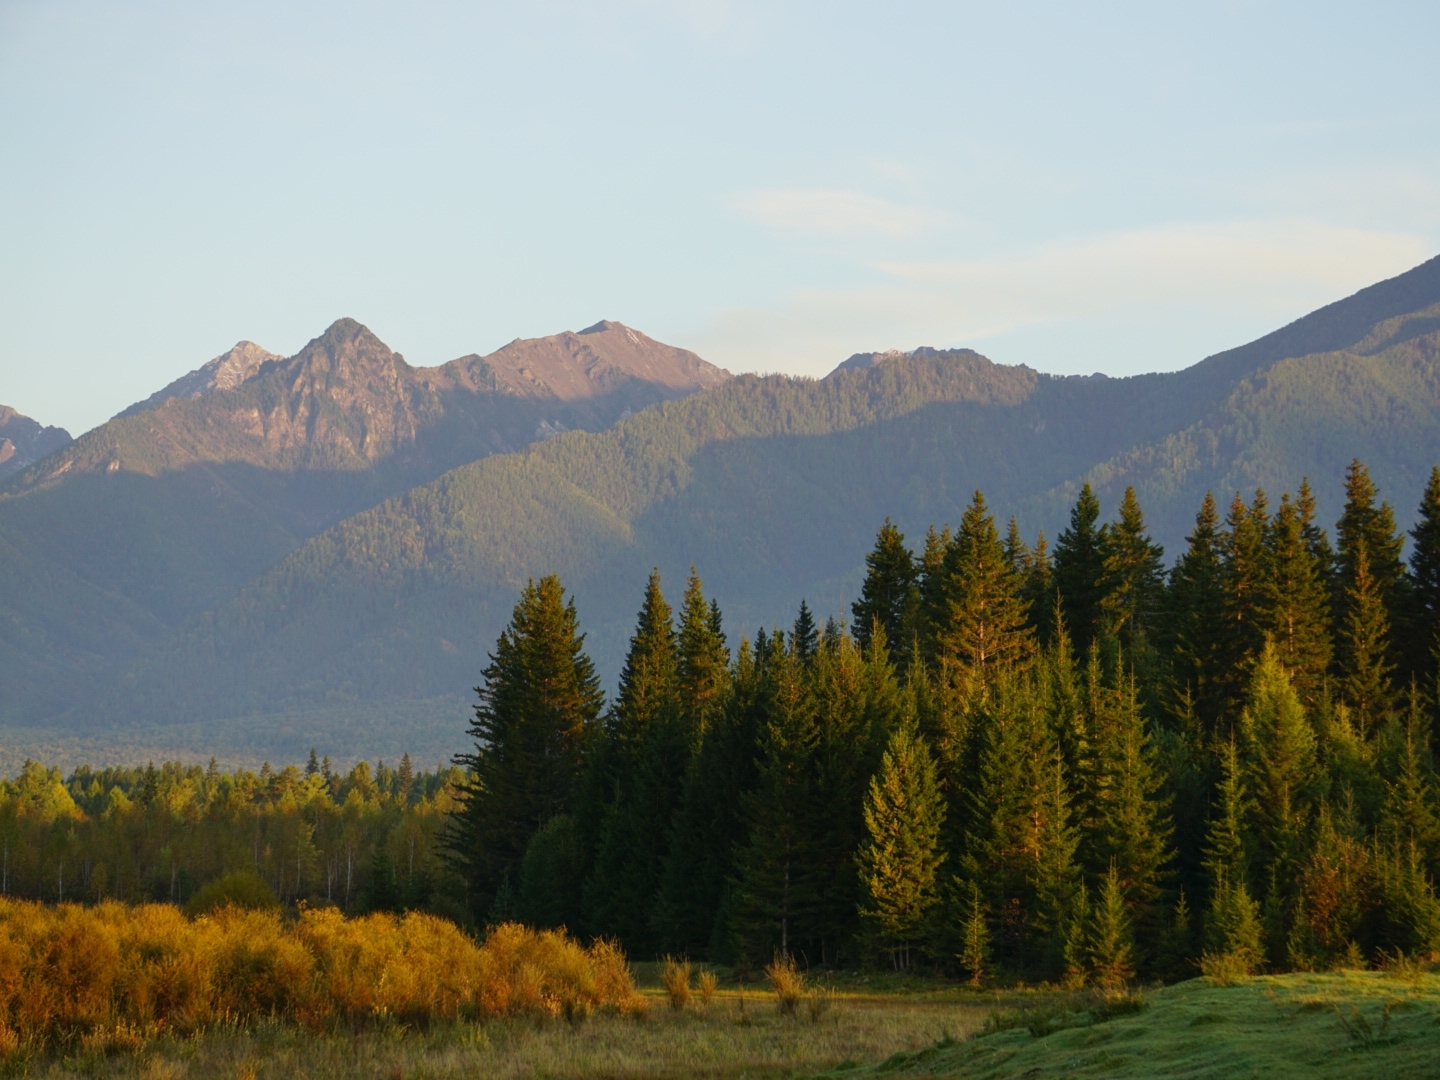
(72, 975)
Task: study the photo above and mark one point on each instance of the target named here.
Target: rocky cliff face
(24, 442)
(347, 401)
(225, 372)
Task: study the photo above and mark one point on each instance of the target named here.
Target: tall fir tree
(775, 884)
(1367, 530)
(1364, 639)
(537, 717)
(1294, 603)
(1126, 825)
(804, 638)
(1193, 633)
(1131, 577)
(858, 702)
(900, 857)
(1246, 571)
(703, 663)
(1020, 842)
(985, 623)
(1232, 919)
(933, 588)
(1037, 590)
(1424, 620)
(710, 826)
(889, 595)
(1281, 773)
(1079, 568)
(644, 761)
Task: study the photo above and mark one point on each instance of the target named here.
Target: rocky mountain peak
(24, 441)
(225, 372)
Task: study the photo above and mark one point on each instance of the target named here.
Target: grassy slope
(1269, 1027)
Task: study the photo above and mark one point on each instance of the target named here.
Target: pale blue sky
(1108, 187)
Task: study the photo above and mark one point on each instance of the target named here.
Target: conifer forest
(1064, 762)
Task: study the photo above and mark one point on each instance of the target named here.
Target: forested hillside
(165, 511)
(1018, 762)
(769, 486)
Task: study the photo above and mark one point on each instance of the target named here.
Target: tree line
(364, 839)
(1016, 761)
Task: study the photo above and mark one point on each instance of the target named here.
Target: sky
(1098, 187)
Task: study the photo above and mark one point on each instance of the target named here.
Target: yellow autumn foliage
(73, 974)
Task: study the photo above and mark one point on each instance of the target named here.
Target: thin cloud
(1187, 276)
(824, 212)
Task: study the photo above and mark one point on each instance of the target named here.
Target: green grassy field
(1357, 1024)
(1351, 1024)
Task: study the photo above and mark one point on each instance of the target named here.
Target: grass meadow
(147, 992)
(1341, 1025)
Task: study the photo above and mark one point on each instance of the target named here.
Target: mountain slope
(171, 507)
(24, 442)
(773, 487)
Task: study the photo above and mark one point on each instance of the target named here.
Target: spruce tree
(974, 954)
(1410, 815)
(1279, 752)
(1110, 951)
(644, 760)
(803, 637)
(889, 591)
(1424, 628)
(1020, 843)
(858, 703)
(704, 663)
(1316, 538)
(710, 826)
(1017, 554)
(774, 880)
(1364, 633)
(900, 856)
(1079, 568)
(1126, 823)
(1194, 631)
(1132, 573)
(1037, 590)
(1232, 921)
(1245, 574)
(933, 588)
(537, 716)
(1294, 604)
(985, 622)
(1367, 531)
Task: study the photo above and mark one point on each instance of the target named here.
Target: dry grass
(711, 1045)
(113, 978)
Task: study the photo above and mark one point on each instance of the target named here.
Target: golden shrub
(111, 976)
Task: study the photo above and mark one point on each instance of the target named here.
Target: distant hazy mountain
(110, 543)
(24, 442)
(773, 487)
(322, 548)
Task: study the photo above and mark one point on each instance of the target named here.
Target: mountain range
(273, 552)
